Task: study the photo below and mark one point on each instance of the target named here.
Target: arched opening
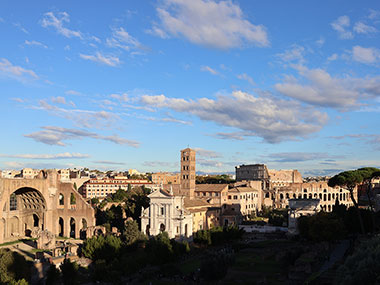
(36, 221)
(147, 230)
(305, 196)
(61, 199)
(61, 227)
(83, 231)
(281, 196)
(13, 202)
(310, 196)
(14, 226)
(324, 197)
(186, 230)
(267, 195)
(287, 195)
(4, 226)
(73, 200)
(294, 196)
(84, 223)
(72, 228)
(162, 228)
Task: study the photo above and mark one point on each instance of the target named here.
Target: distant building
(29, 173)
(64, 174)
(160, 178)
(253, 172)
(280, 178)
(313, 190)
(101, 188)
(133, 172)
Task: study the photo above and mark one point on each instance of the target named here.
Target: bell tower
(188, 172)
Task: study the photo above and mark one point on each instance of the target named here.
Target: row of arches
(61, 199)
(70, 228)
(323, 197)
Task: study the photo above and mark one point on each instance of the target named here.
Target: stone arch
(61, 227)
(61, 199)
(4, 227)
(162, 228)
(14, 225)
(83, 231)
(147, 230)
(36, 220)
(72, 227)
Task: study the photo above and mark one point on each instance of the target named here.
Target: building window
(13, 202)
(229, 197)
(235, 197)
(162, 211)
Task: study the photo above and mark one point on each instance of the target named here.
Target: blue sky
(127, 84)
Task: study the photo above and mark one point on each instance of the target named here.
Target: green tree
(70, 272)
(13, 267)
(363, 266)
(132, 233)
(52, 275)
(349, 179)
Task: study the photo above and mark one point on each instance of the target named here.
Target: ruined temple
(43, 203)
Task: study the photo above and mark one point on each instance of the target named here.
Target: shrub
(363, 266)
(13, 267)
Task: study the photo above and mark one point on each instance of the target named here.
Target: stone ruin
(45, 239)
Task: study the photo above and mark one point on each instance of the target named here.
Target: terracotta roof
(197, 210)
(189, 203)
(242, 189)
(175, 187)
(210, 187)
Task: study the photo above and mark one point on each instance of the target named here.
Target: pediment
(159, 194)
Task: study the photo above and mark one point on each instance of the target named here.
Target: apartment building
(100, 188)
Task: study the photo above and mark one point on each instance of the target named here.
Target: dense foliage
(217, 235)
(215, 179)
(130, 203)
(14, 269)
(363, 266)
(338, 224)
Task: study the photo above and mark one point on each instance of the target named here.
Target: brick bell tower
(188, 172)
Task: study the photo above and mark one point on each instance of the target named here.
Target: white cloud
(73, 92)
(18, 25)
(83, 118)
(321, 41)
(373, 14)
(322, 89)
(245, 76)
(207, 153)
(362, 28)
(122, 39)
(57, 22)
(35, 43)
(365, 55)
(59, 100)
(341, 25)
(56, 135)
(210, 70)
(295, 54)
(7, 69)
(65, 155)
(103, 59)
(332, 57)
(272, 119)
(209, 23)
(301, 156)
